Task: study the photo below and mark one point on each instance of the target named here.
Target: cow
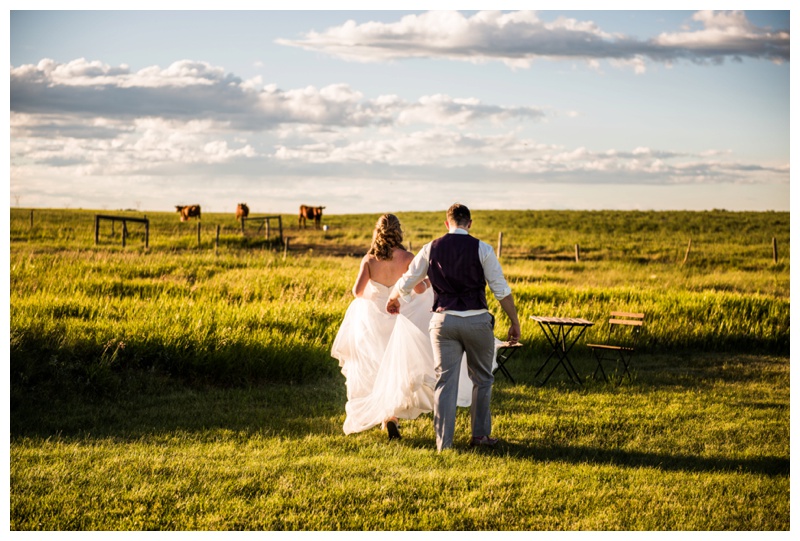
(242, 211)
(310, 213)
(188, 211)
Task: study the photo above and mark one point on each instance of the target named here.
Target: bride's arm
(362, 279)
(423, 286)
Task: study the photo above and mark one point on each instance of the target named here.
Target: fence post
(198, 234)
(577, 254)
(96, 228)
(31, 218)
(267, 220)
(774, 250)
(216, 242)
(499, 244)
(688, 249)
(146, 232)
(124, 232)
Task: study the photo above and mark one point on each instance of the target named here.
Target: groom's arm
(507, 304)
(417, 271)
(499, 287)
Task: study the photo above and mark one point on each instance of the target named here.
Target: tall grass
(249, 312)
(226, 320)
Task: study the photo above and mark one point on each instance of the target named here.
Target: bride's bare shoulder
(403, 255)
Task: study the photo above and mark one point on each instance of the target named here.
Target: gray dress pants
(451, 336)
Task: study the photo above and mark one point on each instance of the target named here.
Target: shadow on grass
(772, 466)
(676, 370)
(41, 364)
(162, 408)
(166, 407)
(297, 412)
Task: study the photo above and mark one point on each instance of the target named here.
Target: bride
(387, 360)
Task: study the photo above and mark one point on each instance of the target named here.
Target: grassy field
(190, 386)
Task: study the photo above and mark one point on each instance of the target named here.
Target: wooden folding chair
(624, 329)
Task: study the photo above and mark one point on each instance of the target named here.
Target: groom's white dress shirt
(492, 271)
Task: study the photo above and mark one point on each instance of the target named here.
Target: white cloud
(187, 89)
(438, 147)
(146, 144)
(81, 72)
(447, 150)
(518, 38)
(725, 34)
(87, 118)
(440, 109)
(640, 165)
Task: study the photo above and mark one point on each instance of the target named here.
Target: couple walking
(419, 336)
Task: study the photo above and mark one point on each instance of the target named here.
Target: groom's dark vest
(456, 273)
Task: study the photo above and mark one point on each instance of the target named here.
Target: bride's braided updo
(387, 236)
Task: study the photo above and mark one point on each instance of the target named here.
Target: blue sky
(375, 111)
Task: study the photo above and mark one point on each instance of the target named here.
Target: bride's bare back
(385, 272)
(388, 272)
(386, 260)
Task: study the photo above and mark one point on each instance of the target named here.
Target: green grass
(705, 450)
(191, 388)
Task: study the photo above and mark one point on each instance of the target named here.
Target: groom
(459, 267)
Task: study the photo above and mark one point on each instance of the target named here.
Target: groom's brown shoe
(483, 441)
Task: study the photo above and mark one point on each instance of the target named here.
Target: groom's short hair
(458, 214)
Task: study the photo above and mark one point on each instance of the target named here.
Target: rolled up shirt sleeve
(416, 272)
(493, 272)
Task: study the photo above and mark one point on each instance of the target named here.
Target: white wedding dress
(387, 360)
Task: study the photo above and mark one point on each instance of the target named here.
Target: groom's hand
(393, 306)
(513, 333)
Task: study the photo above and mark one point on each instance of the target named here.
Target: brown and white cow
(242, 211)
(310, 213)
(188, 211)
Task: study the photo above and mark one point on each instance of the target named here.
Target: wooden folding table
(560, 335)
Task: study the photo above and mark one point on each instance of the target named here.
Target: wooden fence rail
(266, 223)
(124, 220)
(687, 252)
